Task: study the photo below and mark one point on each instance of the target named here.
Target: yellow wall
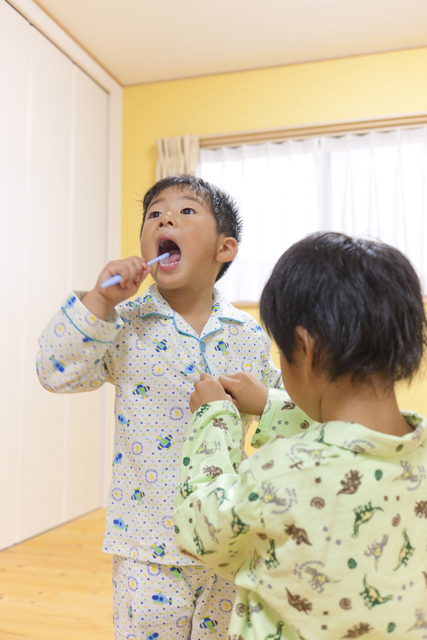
(347, 89)
(351, 88)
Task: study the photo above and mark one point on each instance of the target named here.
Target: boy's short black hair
(222, 206)
(360, 300)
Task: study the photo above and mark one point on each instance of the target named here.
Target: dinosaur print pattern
(307, 526)
(211, 530)
(269, 495)
(201, 410)
(406, 552)
(299, 603)
(376, 550)
(420, 620)
(212, 471)
(358, 630)
(371, 595)
(318, 580)
(220, 494)
(219, 423)
(237, 525)
(421, 509)
(278, 634)
(204, 450)
(270, 558)
(351, 482)
(200, 548)
(407, 474)
(363, 515)
(297, 534)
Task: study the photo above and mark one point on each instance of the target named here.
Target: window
(371, 185)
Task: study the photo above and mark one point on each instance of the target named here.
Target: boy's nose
(167, 220)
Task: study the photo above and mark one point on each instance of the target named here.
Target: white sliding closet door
(53, 236)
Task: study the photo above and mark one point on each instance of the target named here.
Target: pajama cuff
(89, 325)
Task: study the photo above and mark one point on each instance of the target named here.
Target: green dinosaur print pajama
(323, 529)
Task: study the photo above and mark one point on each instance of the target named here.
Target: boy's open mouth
(174, 257)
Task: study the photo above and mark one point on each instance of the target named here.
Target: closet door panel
(90, 181)
(54, 128)
(47, 275)
(89, 228)
(14, 45)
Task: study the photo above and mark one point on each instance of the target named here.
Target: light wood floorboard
(57, 586)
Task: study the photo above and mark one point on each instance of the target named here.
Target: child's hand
(246, 391)
(207, 389)
(101, 301)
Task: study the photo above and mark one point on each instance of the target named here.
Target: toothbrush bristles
(164, 255)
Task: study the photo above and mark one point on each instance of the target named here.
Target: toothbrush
(118, 278)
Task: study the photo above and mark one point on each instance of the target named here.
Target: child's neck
(371, 404)
(194, 305)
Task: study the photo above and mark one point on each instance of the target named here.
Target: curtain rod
(236, 139)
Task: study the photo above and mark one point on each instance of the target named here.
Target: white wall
(59, 215)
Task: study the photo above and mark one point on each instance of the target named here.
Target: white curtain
(177, 155)
(371, 185)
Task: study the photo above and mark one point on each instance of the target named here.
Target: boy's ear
(227, 250)
(304, 347)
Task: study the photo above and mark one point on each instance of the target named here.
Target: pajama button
(202, 346)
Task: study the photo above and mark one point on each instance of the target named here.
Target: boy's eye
(187, 211)
(153, 214)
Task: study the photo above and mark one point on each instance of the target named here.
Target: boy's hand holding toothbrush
(102, 299)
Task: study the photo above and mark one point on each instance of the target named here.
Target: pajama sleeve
(215, 514)
(73, 353)
(280, 416)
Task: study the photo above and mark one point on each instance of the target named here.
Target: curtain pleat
(177, 155)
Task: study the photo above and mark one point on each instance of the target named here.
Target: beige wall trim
(246, 305)
(302, 132)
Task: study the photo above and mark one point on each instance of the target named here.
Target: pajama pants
(166, 602)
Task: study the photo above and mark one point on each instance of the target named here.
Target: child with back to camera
(152, 349)
(324, 529)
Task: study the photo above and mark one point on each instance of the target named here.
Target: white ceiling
(141, 41)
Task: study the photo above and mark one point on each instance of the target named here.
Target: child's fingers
(132, 271)
(248, 393)
(229, 384)
(206, 376)
(242, 376)
(206, 382)
(207, 389)
(242, 380)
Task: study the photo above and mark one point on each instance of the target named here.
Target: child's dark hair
(221, 205)
(360, 300)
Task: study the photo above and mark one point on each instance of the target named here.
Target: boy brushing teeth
(153, 349)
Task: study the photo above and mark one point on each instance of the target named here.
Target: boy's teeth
(173, 257)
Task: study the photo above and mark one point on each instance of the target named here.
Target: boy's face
(181, 223)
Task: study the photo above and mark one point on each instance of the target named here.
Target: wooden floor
(58, 586)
